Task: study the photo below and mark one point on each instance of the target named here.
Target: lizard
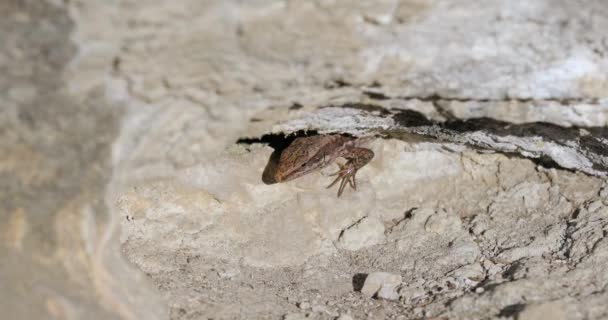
(308, 154)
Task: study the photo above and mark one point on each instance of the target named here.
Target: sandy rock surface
(135, 139)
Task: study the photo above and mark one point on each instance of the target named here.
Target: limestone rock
(140, 131)
(376, 281)
(388, 292)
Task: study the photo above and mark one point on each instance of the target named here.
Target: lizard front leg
(357, 158)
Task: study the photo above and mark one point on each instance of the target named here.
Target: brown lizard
(307, 154)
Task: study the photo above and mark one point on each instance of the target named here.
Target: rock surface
(367, 232)
(487, 195)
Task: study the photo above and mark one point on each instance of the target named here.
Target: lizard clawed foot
(347, 174)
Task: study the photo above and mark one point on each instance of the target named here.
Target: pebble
(228, 274)
(375, 281)
(388, 292)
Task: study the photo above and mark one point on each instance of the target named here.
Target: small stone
(304, 305)
(367, 232)
(228, 274)
(344, 317)
(388, 292)
(469, 275)
(376, 280)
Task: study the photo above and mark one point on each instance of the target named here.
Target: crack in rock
(579, 149)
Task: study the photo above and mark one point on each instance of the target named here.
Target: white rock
(345, 317)
(388, 292)
(228, 273)
(304, 305)
(377, 280)
(368, 232)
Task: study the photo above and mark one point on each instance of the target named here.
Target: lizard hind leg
(347, 174)
(357, 158)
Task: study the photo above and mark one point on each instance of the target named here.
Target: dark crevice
(413, 126)
(277, 141)
(548, 163)
(408, 214)
(511, 311)
(337, 83)
(296, 106)
(571, 226)
(447, 114)
(411, 118)
(376, 95)
(350, 226)
(438, 97)
(503, 128)
(358, 281)
(369, 107)
(593, 143)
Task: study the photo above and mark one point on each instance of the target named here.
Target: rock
(304, 305)
(367, 232)
(376, 281)
(469, 275)
(228, 273)
(144, 126)
(344, 317)
(388, 292)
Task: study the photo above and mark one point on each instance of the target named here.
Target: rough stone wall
(486, 197)
(59, 255)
